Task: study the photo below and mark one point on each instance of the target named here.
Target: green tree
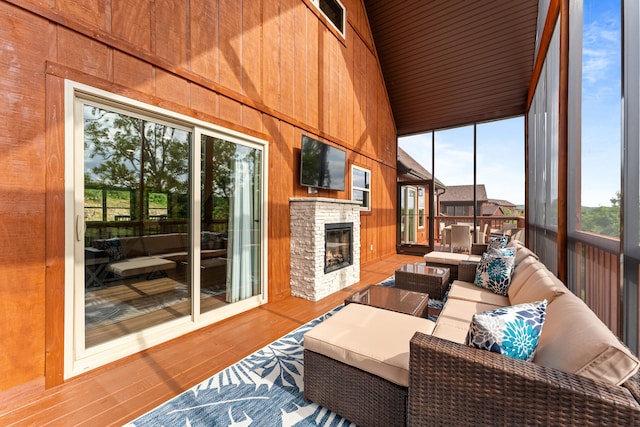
(604, 220)
(120, 146)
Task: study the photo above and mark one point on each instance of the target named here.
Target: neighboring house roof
(410, 170)
(491, 210)
(499, 202)
(463, 193)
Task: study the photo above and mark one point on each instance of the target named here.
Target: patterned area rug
(101, 311)
(264, 389)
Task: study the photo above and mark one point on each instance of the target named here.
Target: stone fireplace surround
(308, 218)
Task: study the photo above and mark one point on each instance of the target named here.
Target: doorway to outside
(166, 230)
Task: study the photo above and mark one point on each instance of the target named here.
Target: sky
(500, 161)
(500, 144)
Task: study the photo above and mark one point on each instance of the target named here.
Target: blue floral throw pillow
(502, 251)
(498, 242)
(494, 271)
(511, 331)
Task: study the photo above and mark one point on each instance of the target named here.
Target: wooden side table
(422, 278)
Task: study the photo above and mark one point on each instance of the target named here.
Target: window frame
(364, 208)
(318, 6)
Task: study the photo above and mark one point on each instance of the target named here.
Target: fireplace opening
(338, 245)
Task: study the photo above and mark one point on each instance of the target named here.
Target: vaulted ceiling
(453, 62)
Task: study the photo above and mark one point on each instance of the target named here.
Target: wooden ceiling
(448, 63)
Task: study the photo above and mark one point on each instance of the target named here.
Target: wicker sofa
(158, 254)
(376, 367)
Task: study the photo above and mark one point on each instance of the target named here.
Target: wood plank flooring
(120, 392)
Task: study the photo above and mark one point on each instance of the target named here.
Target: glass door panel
(409, 214)
(231, 227)
(136, 222)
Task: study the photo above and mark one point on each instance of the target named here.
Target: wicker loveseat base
(362, 398)
(454, 384)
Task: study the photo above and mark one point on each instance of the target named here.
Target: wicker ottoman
(422, 278)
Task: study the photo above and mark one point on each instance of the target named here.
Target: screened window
(361, 187)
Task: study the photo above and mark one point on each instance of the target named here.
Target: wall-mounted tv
(321, 165)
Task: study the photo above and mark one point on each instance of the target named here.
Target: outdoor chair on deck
(444, 236)
(482, 235)
(460, 238)
(516, 234)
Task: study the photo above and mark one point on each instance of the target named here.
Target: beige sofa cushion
(368, 338)
(574, 340)
(445, 258)
(454, 332)
(140, 265)
(523, 253)
(455, 318)
(540, 285)
(521, 275)
(469, 292)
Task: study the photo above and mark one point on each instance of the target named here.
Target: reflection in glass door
(408, 212)
(135, 211)
(231, 227)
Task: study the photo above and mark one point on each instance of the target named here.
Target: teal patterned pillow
(502, 251)
(498, 242)
(512, 331)
(494, 272)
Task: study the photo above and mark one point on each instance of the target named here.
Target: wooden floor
(122, 391)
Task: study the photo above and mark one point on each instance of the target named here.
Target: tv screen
(321, 165)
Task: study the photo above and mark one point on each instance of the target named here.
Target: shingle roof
(500, 202)
(463, 193)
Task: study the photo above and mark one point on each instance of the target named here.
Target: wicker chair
(460, 237)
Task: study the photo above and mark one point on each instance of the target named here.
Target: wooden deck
(122, 391)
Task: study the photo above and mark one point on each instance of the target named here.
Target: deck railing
(492, 222)
(594, 271)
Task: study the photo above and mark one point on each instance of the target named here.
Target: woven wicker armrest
(452, 384)
(467, 271)
(478, 248)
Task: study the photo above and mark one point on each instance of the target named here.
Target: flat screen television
(321, 165)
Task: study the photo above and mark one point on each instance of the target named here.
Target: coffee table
(419, 277)
(400, 300)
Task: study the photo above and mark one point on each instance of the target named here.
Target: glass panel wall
(500, 168)
(543, 159)
(136, 218)
(600, 143)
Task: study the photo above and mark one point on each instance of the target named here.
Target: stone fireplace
(325, 246)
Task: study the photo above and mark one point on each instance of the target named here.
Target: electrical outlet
(371, 247)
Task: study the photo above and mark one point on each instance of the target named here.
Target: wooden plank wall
(273, 69)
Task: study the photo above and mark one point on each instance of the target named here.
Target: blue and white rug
(264, 389)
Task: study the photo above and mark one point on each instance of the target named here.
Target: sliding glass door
(160, 208)
(136, 223)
